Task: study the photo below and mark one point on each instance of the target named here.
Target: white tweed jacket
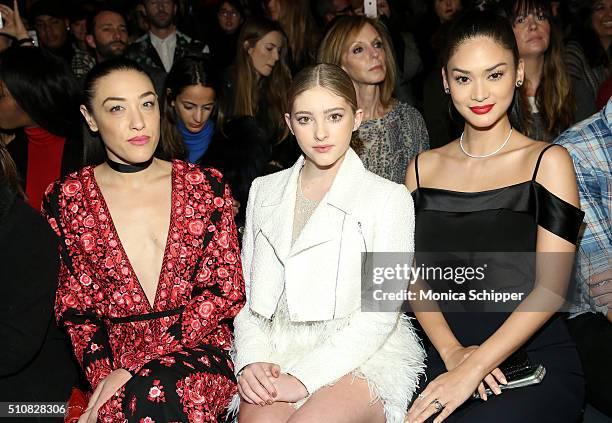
(321, 271)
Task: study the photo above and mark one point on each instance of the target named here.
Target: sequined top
(303, 210)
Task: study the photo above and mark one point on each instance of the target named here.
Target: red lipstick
(482, 110)
(139, 140)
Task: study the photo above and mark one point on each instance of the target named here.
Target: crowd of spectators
(222, 69)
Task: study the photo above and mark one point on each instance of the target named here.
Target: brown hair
(248, 90)
(553, 96)
(187, 71)
(298, 23)
(8, 172)
(95, 152)
(336, 41)
(330, 77)
(474, 24)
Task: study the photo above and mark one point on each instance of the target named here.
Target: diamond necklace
(485, 155)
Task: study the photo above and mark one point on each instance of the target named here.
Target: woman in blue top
(190, 103)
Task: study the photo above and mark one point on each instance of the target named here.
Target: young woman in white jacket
(305, 351)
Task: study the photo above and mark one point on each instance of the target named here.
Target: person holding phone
(495, 190)
(12, 28)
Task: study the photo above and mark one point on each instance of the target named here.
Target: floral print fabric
(176, 348)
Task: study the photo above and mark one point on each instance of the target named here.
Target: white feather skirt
(392, 372)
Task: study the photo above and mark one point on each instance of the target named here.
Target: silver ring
(438, 405)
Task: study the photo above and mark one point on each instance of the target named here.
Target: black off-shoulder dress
(505, 219)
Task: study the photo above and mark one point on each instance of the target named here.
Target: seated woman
(304, 349)
(495, 190)
(36, 363)
(295, 17)
(190, 98)
(150, 276)
(392, 132)
(588, 53)
(223, 32)
(39, 101)
(257, 87)
(550, 105)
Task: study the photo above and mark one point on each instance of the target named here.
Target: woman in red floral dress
(150, 276)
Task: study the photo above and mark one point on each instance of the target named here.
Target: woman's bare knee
(279, 412)
(347, 401)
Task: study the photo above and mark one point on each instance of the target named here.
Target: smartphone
(33, 36)
(532, 375)
(369, 8)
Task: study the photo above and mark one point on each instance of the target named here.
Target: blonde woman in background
(392, 132)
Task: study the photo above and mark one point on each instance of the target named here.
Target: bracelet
(26, 40)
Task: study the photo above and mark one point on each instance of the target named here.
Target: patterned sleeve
(421, 133)
(417, 128)
(76, 294)
(220, 273)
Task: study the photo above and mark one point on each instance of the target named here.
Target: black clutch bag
(519, 372)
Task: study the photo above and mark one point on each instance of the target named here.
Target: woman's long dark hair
(188, 71)
(45, 88)
(473, 24)
(263, 98)
(95, 153)
(553, 96)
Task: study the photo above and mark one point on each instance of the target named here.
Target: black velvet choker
(129, 168)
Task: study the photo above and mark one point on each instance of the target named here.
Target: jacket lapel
(325, 223)
(277, 213)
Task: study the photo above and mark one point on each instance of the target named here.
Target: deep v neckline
(113, 228)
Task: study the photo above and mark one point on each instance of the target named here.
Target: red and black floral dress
(177, 348)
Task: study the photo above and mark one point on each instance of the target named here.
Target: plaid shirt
(81, 64)
(589, 143)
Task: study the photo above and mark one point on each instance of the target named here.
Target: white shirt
(165, 48)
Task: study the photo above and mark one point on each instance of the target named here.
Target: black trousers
(592, 333)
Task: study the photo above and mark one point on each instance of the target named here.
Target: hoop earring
(519, 84)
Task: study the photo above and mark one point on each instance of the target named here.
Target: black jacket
(36, 362)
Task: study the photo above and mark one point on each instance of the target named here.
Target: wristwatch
(27, 41)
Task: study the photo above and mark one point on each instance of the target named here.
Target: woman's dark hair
(553, 96)
(584, 34)
(474, 24)
(264, 98)
(95, 153)
(44, 87)
(236, 4)
(188, 71)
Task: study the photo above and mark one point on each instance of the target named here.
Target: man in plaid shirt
(589, 143)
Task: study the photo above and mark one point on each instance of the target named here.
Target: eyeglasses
(227, 14)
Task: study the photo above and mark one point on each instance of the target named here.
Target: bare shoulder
(428, 160)
(556, 173)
